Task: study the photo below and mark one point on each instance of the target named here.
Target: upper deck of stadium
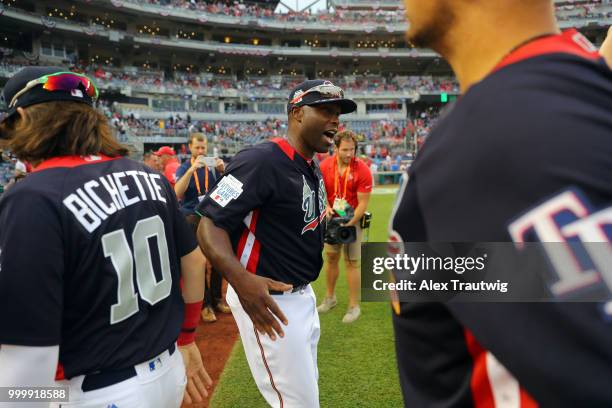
(252, 28)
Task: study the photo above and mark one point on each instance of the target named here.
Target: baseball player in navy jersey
(92, 247)
(524, 155)
(263, 226)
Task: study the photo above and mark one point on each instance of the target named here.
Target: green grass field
(356, 361)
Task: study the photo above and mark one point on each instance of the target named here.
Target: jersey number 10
(116, 248)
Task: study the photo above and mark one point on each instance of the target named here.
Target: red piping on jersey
(72, 161)
(254, 218)
(569, 42)
(479, 383)
(263, 356)
(242, 243)
(253, 260)
(526, 400)
(254, 257)
(288, 149)
(59, 372)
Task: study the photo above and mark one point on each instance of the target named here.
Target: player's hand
(198, 379)
(254, 295)
(219, 165)
(329, 213)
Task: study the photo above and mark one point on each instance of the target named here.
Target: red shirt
(170, 170)
(359, 180)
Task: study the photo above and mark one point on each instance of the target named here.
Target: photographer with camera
(348, 182)
(194, 179)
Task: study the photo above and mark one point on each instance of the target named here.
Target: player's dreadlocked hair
(63, 128)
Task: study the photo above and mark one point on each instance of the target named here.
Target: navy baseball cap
(319, 92)
(19, 82)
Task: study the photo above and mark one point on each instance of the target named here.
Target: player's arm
(192, 285)
(252, 290)
(31, 287)
(183, 180)
(24, 366)
(192, 273)
(606, 48)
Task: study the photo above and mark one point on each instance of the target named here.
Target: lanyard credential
(346, 175)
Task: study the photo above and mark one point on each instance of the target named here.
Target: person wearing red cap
(169, 163)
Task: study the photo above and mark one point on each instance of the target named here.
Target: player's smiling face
(319, 125)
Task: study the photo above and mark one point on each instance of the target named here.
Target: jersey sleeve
(364, 183)
(180, 171)
(185, 238)
(31, 269)
(246, 185)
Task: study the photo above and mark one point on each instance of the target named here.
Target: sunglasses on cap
(60, 81)
(327, 90)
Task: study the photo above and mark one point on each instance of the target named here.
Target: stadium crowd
(260, 11)
(566, 10)
(201, 83)
(243, 133)
(185, 83)
(379, 139)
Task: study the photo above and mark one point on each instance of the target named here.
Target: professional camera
(338, 234)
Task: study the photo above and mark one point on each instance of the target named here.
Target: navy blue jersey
(271, 202)
(524, 155)
(198, 186)
(90, 259)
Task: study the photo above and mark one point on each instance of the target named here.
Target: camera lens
(344, 234)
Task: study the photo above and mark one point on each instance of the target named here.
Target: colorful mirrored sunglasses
(60, 81)
(326, 89)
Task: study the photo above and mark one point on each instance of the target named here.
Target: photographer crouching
(348, 182)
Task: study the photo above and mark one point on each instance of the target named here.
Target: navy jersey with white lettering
(90, 260)
(271, 202)
(524, 155)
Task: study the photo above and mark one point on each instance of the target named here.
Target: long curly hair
(61, 128)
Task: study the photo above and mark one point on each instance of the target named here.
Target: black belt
(295, 289)
(107, 378)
